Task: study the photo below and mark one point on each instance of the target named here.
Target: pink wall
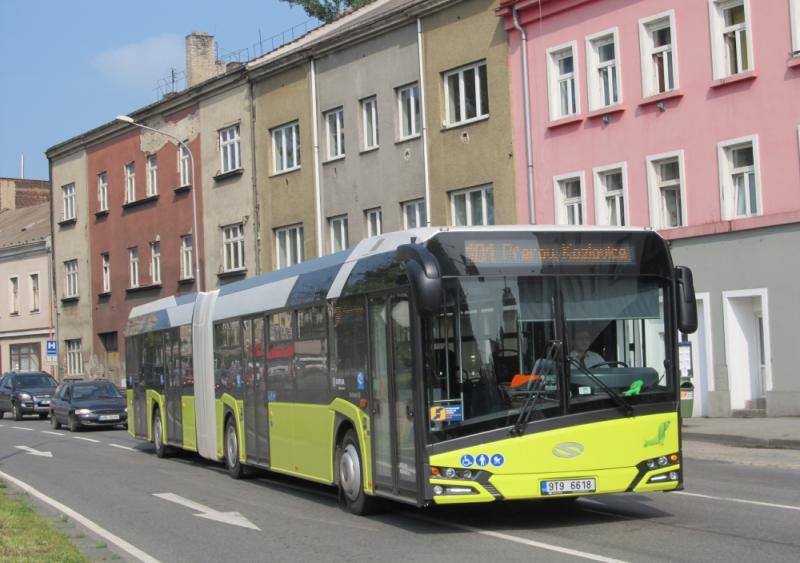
(767, 105)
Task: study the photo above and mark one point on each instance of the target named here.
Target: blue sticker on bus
(482, 460)
(238, 380)
(360, 380)
(498, 460)
(272, 396)
(451, 414)
(467, 460)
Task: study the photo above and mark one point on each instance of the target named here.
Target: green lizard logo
(658, 439)
(634, 389)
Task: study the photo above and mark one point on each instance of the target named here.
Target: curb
(744, 441)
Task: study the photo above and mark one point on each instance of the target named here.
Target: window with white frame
(466, 92)
(338, 230)
(603, 70)
(155, 262)
(33, 284)
(152, 175)
(229, 153)
(13, 295)
(71, 278)
(130, 182)
(334, 126)
(233, 247)
(731, 41)
(666, 186)
(133, 257)
(610, 191)
(289, 246)
(68, 210)
(794, 23)
(187, 266)
(659, 57)
(562, 81)
(105, 260)
(414, 214)
(408, 111)
(374, 219)
(102, 191)
(739, 174)
(369, 123)
(474, 206)
(286, 148)
(569, 199)
(74, 357)
(183, 165)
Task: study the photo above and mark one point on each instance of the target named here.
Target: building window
(739, 173)
(102, 191)
(408, 111)
(286, 148)
(233, 247)
(133, 255)
(229, 149)
(414, 214)
(569, 199)
(369, 122)
(71, 278)
(68, 210)
(33, 283)
(130, 182)
(666, 186)
(659, 60)
(152, 175)
(338, 229)
(74, 357)
(731, 42)
(25, 357)
(289, 246)
(183, 166)
(105, 259)
(187, 267)
(610, 190)
(374, 219)
(474, 206)
(467, 93)
(13, 295)
(603, 74)
(562, 81)
(334, 125)
(794, 23)
(155, 262)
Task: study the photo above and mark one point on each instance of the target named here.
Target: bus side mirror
(423, 273)
(687, 304)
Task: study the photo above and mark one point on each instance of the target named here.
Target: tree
(327, 10)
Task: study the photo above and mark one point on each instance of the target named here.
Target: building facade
(20, 192)
(653, 113)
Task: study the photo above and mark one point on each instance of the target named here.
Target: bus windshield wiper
(621, 403)
(535, 393)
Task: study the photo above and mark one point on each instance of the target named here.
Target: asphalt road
(739, 505)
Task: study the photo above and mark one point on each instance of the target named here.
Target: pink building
(683, 116)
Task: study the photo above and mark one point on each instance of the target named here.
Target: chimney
(201, 58)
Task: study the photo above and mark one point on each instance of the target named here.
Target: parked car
(26, 392)
(79, 404)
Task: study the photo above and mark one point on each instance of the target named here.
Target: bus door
(393, 406)
(256, 423)
(174, 387)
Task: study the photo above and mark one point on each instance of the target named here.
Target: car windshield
(31, 380)
(95, 391)
(492, 348)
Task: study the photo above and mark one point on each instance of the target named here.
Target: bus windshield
(492, 347)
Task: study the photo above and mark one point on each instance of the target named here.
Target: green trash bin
(687, 398)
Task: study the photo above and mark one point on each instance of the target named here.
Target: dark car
(80, 404)
(26, 392)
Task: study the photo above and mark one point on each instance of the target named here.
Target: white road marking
(86, 439)
(122, 447)
(51, 433)
(233, 518)
(31, 451)
(21, 428)
(758, 503)
(67, 511)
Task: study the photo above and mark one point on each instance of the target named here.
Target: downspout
(426, 171)
(526, 101)
(317, 179)
(254, 176)
(51, 282)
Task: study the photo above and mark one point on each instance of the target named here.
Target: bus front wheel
(232, 462)
(158, 435)
(350, 476)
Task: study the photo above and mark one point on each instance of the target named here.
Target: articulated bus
(431, 366)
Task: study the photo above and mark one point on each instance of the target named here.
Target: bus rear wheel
(351, 482)
(235, 468)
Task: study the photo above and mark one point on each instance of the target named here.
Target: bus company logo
(568, 450)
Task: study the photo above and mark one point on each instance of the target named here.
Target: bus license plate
(109, 417)
(568, 486)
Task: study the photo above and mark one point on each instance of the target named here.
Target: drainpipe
(425, 168)
(526, 100)
(254, 175)
(317, 179)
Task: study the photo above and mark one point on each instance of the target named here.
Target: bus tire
(351, 476)
(232, 463)
(158, 435)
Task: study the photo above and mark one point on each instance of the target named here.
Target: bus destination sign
(535, 253)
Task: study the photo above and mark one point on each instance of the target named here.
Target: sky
(68, 66)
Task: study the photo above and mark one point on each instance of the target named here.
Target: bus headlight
(450, 473)
(661, 461)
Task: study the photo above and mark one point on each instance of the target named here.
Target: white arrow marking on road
(122, 447)
(87, 439)
(232, 518)
(31, 451)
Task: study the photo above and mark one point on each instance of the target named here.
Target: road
(739, 505)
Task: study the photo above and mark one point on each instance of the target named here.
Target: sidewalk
(776, 432)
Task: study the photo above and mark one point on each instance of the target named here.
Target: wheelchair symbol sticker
(467, 460)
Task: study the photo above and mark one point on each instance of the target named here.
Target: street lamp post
(195, 239)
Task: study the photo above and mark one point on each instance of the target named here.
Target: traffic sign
(52, 360)
(52, 348)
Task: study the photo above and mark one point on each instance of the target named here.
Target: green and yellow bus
(431, 366)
